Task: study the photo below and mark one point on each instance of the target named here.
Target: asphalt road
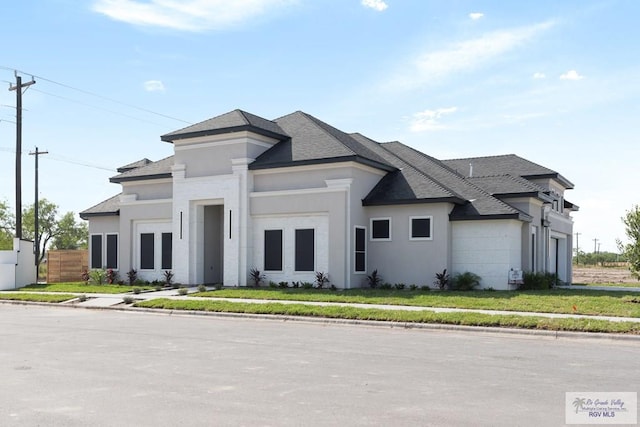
(78, 367)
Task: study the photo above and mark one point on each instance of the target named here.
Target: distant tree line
(597, 258)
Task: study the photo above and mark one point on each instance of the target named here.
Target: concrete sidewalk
(111, 300)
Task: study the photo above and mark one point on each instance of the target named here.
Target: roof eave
(517, 216)
(534, 194)
(117, 180)
(561, 179)
(354, 158)
(87, 215)
(454, 200)
(170, 137)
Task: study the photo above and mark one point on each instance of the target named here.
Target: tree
(631, 250)
(72, 234)
(7, 226)
(63, 233)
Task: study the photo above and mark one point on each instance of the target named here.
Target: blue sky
(555, 82)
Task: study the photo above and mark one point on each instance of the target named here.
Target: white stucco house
(294, 196)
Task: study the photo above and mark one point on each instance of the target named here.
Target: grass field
(80, 287)
(467, 319)
(26, 296)
(621, 304)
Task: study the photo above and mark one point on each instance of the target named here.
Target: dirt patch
(602, 275)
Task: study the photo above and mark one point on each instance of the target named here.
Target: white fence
(17, 267)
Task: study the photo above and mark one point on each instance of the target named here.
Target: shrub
(295, 284)
(97, 276)
(413, 287)
(374, 279)
(273, 284)
(539, 281)
(217, 286)
(466, 281)
(442, 280)
(168, 277)
(306, 285)
(333, 287)
(175, 285)
(128, 300)
(399, 286)
(283, 285)
(183, 291)
(132, 275)
(111, 276)
(321, 279)
(158, 287)
(85, 276)
(386, 286)
(202, 288)
(256, 276)
(82, 298)
(136, 290)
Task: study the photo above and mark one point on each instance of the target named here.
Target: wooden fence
(66, 265)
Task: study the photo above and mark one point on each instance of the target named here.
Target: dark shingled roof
(505, 164)
(504, 186)
(233, 121)
(108, 207)
(312, 141)
(480, 204)
(153, 170)
(133, 165)
(405, 185)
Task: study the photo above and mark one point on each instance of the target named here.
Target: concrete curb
(351, 322)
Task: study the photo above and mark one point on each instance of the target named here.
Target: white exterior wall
(17, 266)
(289, 223)
(189, 196)
(488, 248)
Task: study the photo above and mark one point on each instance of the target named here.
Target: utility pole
(595, 250)
(35, 212)
(18, 88)
(578, 248)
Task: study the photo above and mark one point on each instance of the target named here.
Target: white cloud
(539, 76)
(571, 75)
(476, 15)
(154, 86)
(186, 15)
(378, 5)
(428, 120)
(466, 55)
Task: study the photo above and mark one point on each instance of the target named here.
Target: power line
(98, 108)
(86, 92)
(65, 159)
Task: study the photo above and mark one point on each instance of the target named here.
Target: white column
(240, 168)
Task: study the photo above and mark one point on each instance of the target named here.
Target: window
(360, 250)
(380, 228)
(112, 251)
(273, 250)
(167, 248)
(96, 251)
(305, 250)
(147, 251)
(420, 228)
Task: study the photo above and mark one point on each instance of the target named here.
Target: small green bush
(97, 276)
(442, 280)
(136, 290)
(321, 279)
(82, 298)
(386, 286)
(202, 288)
(273, 284)
(374, 279)
(466, 281)
(128, 300)
(307, 285)
(217, 286)
(283, 285)
(539, 281)
(256, 276)
(183, 291)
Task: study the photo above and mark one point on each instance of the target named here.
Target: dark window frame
(273, 260)
(360, 250)
(107, 252)
(100, 257)
(166, 254)
(305, 257)
(372, 224)
(147, 262)
(411, 227)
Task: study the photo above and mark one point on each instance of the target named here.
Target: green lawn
(81, 287)
(468, 319)
(19, 296)
(621, 304)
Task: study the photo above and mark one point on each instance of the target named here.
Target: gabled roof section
(154, 170)
(509, 186)
(108, 207)
(479, 204)
(405, 185)
(133, 165)
(233, 121)
(505, 164)
(313, 142)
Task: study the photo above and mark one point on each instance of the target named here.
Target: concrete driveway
(70, 367)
